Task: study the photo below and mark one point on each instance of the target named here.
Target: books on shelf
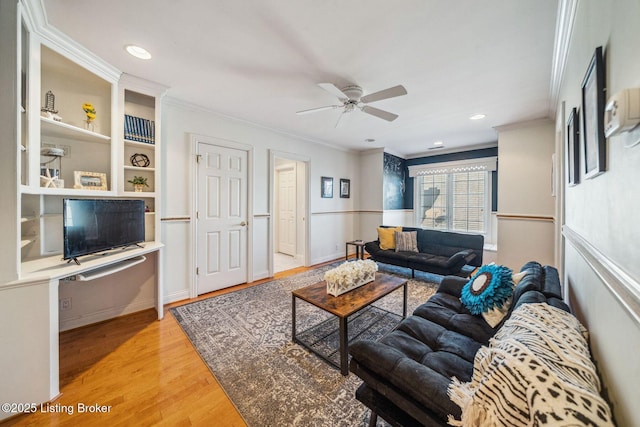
(139, 129)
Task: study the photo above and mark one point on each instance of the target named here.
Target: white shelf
(54, 267)
(26, 242)
(139, 169)
(139, 144)
(142, 194)
(65, 192)
(53, 128)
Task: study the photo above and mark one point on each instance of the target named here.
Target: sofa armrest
(372, 247)
(452, 285)
(459, 257)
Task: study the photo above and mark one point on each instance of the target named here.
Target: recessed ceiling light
(137, 51)
(438, 143)
(369, 140)
(478, 116)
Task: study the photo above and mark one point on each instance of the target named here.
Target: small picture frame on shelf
(345, 188)
(90, 180)
(326, 189)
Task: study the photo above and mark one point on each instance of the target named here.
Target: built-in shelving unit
(139, 103)
(51, 70)
(56, 82)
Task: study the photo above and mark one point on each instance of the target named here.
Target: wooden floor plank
(145, 370)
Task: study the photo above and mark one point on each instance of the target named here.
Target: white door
(287, 211)
(222, 217)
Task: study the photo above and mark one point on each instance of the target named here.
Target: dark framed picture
(573, 148)
(345, 188)
(326, 187)
(593, 99)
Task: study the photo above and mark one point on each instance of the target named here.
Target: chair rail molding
(624, 288)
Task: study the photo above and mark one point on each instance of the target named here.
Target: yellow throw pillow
(387, 237)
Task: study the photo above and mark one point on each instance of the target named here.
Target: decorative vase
(138, 188)
(89, 125)
(338, 288)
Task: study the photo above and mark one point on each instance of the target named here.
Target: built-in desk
(30, 322)
(54, 268)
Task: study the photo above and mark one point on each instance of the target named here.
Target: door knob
(243, 223)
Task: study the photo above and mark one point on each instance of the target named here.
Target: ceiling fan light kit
(351, 98)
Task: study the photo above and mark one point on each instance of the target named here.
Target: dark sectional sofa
(439, 252)
(406, 374)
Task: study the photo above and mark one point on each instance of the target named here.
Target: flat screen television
(97, 225)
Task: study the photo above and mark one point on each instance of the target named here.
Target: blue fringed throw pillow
(489, 288)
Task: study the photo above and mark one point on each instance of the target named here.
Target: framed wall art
(593, 99)
(326, 187)
(90, 180)
(573, 148)
(345, 188)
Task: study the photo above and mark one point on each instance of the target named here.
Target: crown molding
(36, 17)
(452, 150)
(135, 82)
(565, 19)
(525, 124)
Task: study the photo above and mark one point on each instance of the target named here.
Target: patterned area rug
(245, 339)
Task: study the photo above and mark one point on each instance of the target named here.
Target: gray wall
(601, 214)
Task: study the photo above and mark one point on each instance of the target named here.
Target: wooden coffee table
(344, 306)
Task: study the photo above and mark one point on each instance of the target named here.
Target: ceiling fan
(351, 98)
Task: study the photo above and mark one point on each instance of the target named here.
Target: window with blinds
(454, 196)
(455, 201)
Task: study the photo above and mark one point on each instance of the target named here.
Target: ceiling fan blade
(379, 113)
(384, 94)
(313, 110)
(333, 90)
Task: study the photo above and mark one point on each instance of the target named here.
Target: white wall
(331, 221)
(370, 193)
(604, 211)
(524, 193)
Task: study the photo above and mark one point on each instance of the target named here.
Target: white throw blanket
(536, 371)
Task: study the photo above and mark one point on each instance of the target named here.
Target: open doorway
(289, 212)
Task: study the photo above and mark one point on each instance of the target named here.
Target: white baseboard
(176, 296)
(106, 314)
(260, 275)
(338, 256)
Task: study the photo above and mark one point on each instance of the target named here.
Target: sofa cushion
(392, 257)
(406, 241)
(387, 237)
(447, 311)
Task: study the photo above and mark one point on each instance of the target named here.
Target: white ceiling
(260, 61)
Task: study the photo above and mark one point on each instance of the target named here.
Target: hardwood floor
(141, 370)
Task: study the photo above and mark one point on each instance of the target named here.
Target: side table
(359, 244)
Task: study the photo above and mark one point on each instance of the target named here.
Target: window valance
(484, 164)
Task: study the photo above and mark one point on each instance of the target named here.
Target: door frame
(196, 139)
(307, 201)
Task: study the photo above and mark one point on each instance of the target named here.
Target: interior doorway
(221, 211)
(289, 212)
